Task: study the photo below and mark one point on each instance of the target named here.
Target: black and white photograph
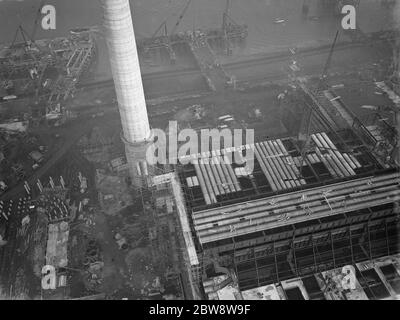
(200, 156)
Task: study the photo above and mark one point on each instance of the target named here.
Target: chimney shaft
(125, 67)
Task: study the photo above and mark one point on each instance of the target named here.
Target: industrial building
(300, 212)
(306, 208)
(316, 218)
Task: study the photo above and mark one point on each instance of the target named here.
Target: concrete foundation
(139, 169)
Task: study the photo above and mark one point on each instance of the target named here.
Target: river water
(259, 15)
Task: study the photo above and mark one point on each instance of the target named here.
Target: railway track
(237, 65)
(285, 56)
(146, 77)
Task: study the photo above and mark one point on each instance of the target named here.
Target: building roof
(279, 165)
(335, 290)
(330, 283)
(269, 292)
(36, 155)
(293, 207)
(57, 245)
(222, 288)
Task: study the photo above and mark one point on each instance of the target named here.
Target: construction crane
(166, 36)
(328, 61)
(24, 35)
(15, 45)
(225, 15)
(180, 17)
(29, 39)
(231, 28)
(163, 25)
(225, 18)
(304, 137)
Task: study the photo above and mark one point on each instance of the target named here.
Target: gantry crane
(304, 137)
(166, 36)
(227, 22)
(225, 18)
(329, 60)
(24, 35)
(29, 41)
(163, 25)
(181, 17)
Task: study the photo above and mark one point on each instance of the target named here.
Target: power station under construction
(307, 210)
(300, 214)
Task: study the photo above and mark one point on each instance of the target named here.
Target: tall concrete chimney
(125, 67)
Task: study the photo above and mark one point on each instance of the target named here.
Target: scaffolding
(305, 254)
